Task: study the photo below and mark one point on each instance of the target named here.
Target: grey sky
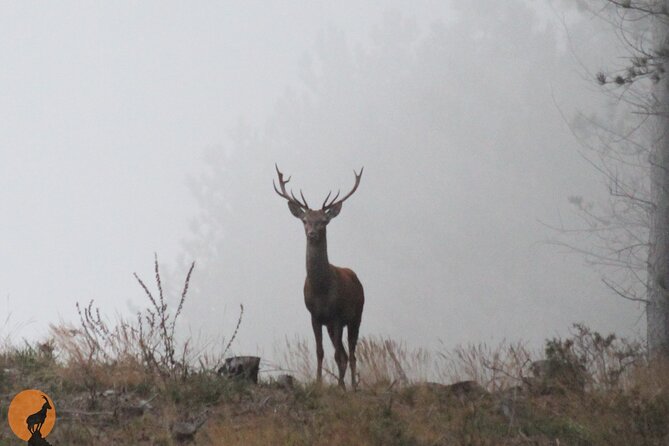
(107, 108)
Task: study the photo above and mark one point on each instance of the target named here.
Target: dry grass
(396, 406)
(128, 382)
(381, 362)
(495, 368)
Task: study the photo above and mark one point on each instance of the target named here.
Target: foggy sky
(134, 128)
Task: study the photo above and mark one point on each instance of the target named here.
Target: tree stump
(241, 367)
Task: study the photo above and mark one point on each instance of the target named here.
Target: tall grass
(496, 368)
(584, 389)
(624, 398)
(605, 362)
(381, 362)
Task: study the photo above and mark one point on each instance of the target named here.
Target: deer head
(314, 220)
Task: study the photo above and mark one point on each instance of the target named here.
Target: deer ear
(333, 211)
(295, 210)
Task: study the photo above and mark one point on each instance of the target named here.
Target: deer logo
(333, 295)
(36, 420)
(31, 416)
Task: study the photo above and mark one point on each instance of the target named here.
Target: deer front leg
(318, 334)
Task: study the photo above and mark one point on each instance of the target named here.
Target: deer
(36, 420)
(333, 295)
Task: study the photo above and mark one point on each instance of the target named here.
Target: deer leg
(318, 334)
(341, 358)
(352, 342)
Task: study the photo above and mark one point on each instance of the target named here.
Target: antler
(334, 201)
(291, 198)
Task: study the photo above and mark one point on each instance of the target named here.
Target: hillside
(591, 390)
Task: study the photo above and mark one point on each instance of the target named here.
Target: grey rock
(243, 367)
(285, 381)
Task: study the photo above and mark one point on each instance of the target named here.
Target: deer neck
(318, 266)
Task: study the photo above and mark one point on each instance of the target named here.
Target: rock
(37, 440)
(184, 431)
(508, 401)
(556, 377)
(131, 411)
(466, 389)
(145, 405)
(135, 410)
(285, 381)
(243, 367)
(540, 369)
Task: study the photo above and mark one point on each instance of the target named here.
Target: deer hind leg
(341, 358)
(318, 334)
(352, 342)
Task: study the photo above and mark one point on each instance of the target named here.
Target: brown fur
(335, 298)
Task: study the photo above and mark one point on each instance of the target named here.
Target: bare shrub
(594, 361)
(95, 360)
(495, 368)
(100, 353)
(585, 360)
(156, 329)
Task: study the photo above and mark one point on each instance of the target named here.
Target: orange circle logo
(31, 415)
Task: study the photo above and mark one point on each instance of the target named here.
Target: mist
(134, 129)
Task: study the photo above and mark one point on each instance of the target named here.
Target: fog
(129, 129)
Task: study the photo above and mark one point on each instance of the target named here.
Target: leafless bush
(148, 342)
(590, 360)
(156, 329)
(585, 360)
(495, 368)
(599, 362)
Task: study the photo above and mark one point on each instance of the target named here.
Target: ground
(128, 403)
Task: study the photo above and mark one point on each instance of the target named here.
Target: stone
(285, 381)
(241, 367)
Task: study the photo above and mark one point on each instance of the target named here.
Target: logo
(31, 416)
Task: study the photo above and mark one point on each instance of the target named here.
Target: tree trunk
(657, 308)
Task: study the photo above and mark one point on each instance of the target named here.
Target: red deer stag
(333, 295)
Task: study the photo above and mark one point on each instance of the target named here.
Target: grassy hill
(130, 382)
(588, 390)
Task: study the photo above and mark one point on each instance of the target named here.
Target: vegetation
(588, 390)
(123, 383)
(631, 153)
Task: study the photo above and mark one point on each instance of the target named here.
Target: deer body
(333, 295)
(327, 307)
